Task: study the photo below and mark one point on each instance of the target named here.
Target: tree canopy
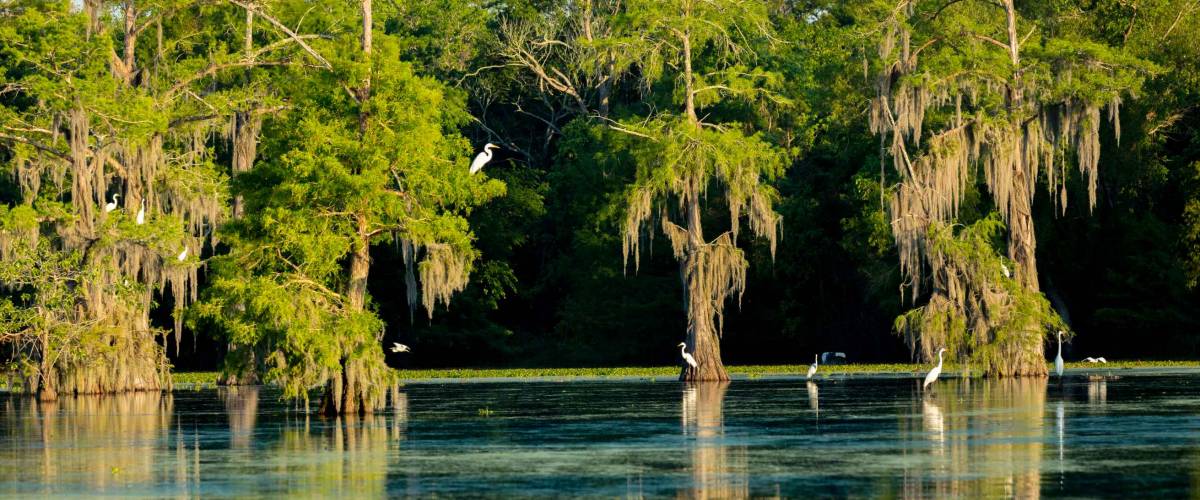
(287, 182)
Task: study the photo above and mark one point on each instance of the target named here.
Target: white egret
(1004, 268)
(1101, 359)
(937, 370)
(482, 158)
(109, 207)
(1096, 360)
(812, 369)
(398, 347)
(183, 254)
(141, 215)
(687, 357)
(1058, 362)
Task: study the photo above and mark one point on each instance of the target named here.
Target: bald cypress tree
(991, 91)
(703, 53)
(367, 153)
(113, 113)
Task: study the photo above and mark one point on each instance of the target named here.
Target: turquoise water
(1132, 435)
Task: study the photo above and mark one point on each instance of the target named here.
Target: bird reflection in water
(1097, 390)
(718, 470)
(814, 401)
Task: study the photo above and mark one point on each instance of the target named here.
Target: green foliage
(977, 312)
(346, 170)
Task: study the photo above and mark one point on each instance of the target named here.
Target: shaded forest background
(551, 289)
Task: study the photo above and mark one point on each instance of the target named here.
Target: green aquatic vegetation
(656, 373)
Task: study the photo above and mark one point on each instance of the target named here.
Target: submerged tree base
(976, 310)
(128, 363)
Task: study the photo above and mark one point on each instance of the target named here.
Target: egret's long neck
(682, 350)
(940, 358)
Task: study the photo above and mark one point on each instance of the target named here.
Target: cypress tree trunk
(345, 393)
(702, 334)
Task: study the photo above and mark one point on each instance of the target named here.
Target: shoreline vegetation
(208, 379)
(669, 373)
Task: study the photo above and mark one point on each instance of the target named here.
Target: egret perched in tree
(398, 347)
(1096, 360)
(937, 370)
(1004, 268)
(1058, 363)
(183, 254)
(482, 158)
(109, 207)
(141, 215)
(812, 369)
(687, 357)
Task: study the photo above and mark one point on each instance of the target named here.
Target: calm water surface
(1133, 435)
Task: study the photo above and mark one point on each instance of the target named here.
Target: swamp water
(1125, 434)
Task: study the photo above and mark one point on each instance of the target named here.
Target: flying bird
(937, 370)
(141, 215)
(1058, 362)
(482, 158)
(1096, 360)
(687, 357)
(812, 369)
(109, 207)
(398, 347)
(183, 254)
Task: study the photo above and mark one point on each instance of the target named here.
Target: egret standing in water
(141, 215)
(1058, 363)
(812, 369)
(937, 370)
(109, 207)
(687, 357)
(398, 347)
(482, 158)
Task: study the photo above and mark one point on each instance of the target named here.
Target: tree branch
(291, 34)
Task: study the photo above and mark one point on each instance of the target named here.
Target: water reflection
(814, 402)
(983, 441)
(718, 470)
(1097, 390)
(241, 406)
(1060, 425)
(103, 442)
(877, 438)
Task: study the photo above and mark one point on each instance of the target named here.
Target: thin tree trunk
(360, 267)
(130, 42)
(49, 380)
(1022, 240)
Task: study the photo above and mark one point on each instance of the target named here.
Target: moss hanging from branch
(957, 112)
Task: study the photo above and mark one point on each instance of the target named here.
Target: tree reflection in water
(718, 470)
(963, 427)
(104, 442)
(241, 406)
